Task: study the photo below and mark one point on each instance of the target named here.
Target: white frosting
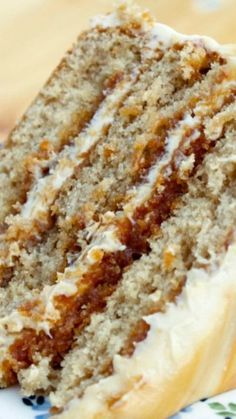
(106, 242)
(68, 282)
(61, 176)
(106, 21)
(160, 34)
(105, 238)
(172, 341)
(45, 190)
(202, 289)
(166, 36)
(172, 143)
(43, 193)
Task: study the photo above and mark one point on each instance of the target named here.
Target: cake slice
(118, 212)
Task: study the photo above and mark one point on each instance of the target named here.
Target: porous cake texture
(118, 213)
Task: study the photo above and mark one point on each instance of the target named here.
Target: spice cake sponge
(118, 207)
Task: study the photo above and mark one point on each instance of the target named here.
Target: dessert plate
(14, 406)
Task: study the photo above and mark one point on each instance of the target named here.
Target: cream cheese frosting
(151, 363)
(43, 194)
(200, 312)
(46, 188)
(105, 236)
(172, 143)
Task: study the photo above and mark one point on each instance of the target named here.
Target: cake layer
(46, 235)
(196, 237)
(64, 107)
(168, 371)
(47, 325)
(122, 188)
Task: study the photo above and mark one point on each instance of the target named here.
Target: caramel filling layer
(107, 264)
(102, 277)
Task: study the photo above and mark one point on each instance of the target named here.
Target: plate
(14, 406)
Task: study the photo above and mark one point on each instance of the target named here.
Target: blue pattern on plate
(39, 403)
(222, 406)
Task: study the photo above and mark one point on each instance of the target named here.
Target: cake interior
(196, 236)
(119, 180)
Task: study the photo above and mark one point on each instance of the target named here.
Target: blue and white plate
(13, 406)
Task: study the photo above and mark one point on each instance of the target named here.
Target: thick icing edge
(194, 337)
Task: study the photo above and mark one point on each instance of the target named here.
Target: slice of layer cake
(118, 214)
